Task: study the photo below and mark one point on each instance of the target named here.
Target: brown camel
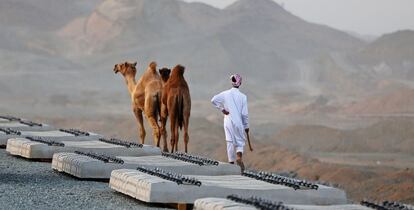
(145, 95)
(176, 98)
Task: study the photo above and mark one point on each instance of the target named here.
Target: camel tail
(157, 106)
(180, 111)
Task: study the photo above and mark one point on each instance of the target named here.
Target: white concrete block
(225, 204)
(55, 135)
(24, 127)
(154, 189)
(35, 150)
(89, 168)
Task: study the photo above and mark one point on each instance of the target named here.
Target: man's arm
(218, 102)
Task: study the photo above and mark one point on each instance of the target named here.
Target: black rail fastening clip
(182, 158)
(205, 160)
(102, 157)
(385, 205)
(259, 203)
(120, 142)
(170, 176)
(9, 131)
(281, 180)
(75, 132)
(10, 118)
(30, 123)
(396, 205)
(45, 141)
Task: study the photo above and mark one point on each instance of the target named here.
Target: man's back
(235, 102)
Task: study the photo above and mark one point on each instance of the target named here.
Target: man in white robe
(233, 104)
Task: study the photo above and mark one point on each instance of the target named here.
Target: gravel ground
(34, 185)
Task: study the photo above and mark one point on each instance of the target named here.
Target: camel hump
(179, 70)
(153, 65)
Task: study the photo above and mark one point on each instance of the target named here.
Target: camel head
(126, 68)
(165, 74)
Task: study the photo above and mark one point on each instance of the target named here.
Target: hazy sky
(369, 17)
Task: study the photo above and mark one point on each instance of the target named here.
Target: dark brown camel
(176, 98)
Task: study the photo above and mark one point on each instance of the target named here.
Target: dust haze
(323, 103)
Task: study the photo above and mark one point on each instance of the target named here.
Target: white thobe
(235, 123)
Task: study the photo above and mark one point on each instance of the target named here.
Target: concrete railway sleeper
(170, 176)
(45, 141)
(101, 157)
(120, 142)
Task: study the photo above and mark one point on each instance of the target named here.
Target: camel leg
(152, 116)
(156, 135)
(173, 124)
(177, 136)
(164, 134)
(140, 120)
(155, 130)
(164, 117)
(186, 136)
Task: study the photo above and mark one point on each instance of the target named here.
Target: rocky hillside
(247, 37)
(388, 136)
(393, 52)
(398, 102)
(260, 24)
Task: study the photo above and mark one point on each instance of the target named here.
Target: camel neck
(131, 83)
